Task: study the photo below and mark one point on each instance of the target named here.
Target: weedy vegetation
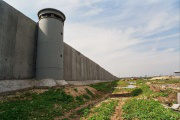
(86, 97)
(143, 106)
(136, 92)
(144, 109)
(105, 87)
(102, 112)
(89, 92)
(75, 89)
(44, 106)
(84, 111)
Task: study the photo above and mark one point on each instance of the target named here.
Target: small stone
(175, 106)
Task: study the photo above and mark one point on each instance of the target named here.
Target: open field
(148, 99)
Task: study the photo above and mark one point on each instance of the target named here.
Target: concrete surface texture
(17, 44)
(14, 85)
(86, 82)
(18, 39)
(78, 67)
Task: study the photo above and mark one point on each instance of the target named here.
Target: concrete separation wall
(18, 39)
(18, 36)
(17, 44)
(87, 82)
(78, 67)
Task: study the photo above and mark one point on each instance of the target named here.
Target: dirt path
(67, 115)
(118, 110)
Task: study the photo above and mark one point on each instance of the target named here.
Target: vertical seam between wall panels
(35, 49)
(14, 57)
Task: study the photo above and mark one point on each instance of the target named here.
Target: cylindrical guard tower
(49, 63)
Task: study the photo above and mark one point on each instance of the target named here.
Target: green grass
(143, 106)
(89, 92)
(84, 111)
(44, 106)
(140, 81)
(86, 97)
(147, 110)
(72, 116)
(80, 98)
(142, 89)
(102, 112)
(65, 119)
(75, 89)
(105, 87)
(136, 92)
(122, 83)
(148, 93)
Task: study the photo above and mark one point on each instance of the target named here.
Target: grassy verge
(48, 105)
(122, 83)
(143, 90)
(102, 112)
(147, 110)
(105, 87)
(143, 106)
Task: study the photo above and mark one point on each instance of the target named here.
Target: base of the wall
(14, 85)
(87, 82)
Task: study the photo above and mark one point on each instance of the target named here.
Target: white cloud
(97, 40)
(162, 38)
(93, 11)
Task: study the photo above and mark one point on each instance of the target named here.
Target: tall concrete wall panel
(78, 67)
(17, 44)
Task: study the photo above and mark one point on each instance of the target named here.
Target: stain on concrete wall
(17, 44)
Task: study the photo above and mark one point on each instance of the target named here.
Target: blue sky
(126, 37)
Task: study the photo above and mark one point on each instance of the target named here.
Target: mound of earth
(79, 90)
(72, 90)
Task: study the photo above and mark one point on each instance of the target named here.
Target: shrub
(75, 89)
(105, 87)
(136, 92)
(86, 97)
(80, 98)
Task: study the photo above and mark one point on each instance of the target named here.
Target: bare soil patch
(167, 100)
(118, 111)
(79, 90)
(160, 87)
